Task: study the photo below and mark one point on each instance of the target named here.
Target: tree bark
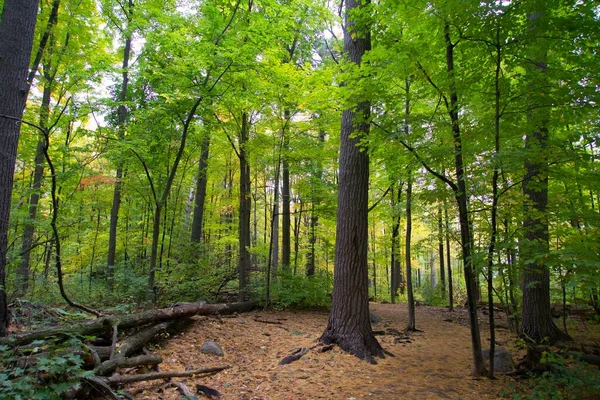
(462, 201)
(285, 208)
(245, 209)
(199, 200)
(17, 26)
(411, 326)
(537, 323)
(38, 173)
(441, 252)
(116, 203)
(349, 323)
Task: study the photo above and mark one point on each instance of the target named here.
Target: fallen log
(104, 324)
(117, 380)
(110, 366)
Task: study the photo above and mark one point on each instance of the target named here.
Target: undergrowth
(565, 379)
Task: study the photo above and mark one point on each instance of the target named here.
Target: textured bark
(199, 201)
(349, 323)
(537, 323)
(245, 208)
(17, 26)
(116, 204)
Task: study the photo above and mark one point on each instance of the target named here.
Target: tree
(349, 323)
(17, 26)
(122, 112)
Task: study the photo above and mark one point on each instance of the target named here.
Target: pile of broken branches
(115, 347)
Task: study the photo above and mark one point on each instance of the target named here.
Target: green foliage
(432, 296)
(299, 291)
(565, 379)
(48, 376)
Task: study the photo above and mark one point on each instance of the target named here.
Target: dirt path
(435, 365)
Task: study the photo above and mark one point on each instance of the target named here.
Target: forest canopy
(190, 150)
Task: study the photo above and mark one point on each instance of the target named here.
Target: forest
(366, 180)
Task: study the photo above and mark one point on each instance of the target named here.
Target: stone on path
(503, 362)
(212, 348)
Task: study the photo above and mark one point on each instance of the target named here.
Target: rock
(212, 348)
(375, 318)
(503, 361)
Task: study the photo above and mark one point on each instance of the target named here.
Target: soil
(432, 364)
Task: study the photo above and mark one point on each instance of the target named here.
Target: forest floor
(434, 364)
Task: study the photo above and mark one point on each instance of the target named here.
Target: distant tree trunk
(312, 240)
(199, 200)
(349, 323)
(448, 259)
(38, 173)
(116, 204)
(286, 207)
(411, 326)
(314, 218)
(160, 202)
(441, 254)
(17, 26)
(395, 258)
(245, 209)
(374, 260)
(274, 264)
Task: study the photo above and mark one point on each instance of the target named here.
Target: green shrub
(48, 377)
(565, 379)
(298, 291)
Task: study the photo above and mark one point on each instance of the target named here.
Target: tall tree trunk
(29, 230)
(395, 257)
(274, 264)
(122, 114)
(17, 26)
(245, 209)
(411, 326)
(286, 207)
(441, 252)
(537, 322)
(349, 322)
(159, 203)
(462, 200)
(448, 259)
(201, 182)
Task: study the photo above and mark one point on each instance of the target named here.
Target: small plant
(47, 372)
(564, 379)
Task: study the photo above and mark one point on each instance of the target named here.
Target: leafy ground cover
(432, 364)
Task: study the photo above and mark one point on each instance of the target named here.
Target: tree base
(365, 347)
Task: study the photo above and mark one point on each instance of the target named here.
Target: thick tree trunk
(349, 323)
(17, 26)
(245, 209)
(201, 182)
(537, 323)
